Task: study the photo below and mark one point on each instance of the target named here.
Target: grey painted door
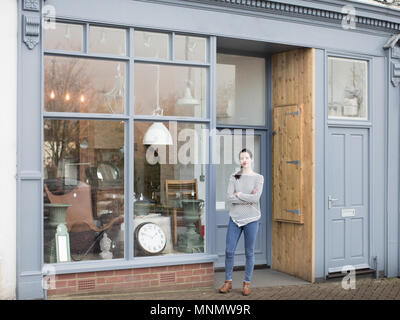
(223, 170)
(347, 205)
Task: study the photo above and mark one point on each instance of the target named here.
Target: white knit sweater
(245, 207)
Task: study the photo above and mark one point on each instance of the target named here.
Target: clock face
(151, 237)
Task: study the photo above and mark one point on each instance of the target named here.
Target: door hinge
(295, 162)
(298, 211)
(298, 112)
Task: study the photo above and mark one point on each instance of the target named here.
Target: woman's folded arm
(253, 197)
(231, 198)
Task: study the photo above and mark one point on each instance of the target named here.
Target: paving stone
(381, 289)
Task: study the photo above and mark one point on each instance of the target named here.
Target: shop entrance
(285, 155)
(257, 143)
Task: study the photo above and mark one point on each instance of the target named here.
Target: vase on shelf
(191, 241)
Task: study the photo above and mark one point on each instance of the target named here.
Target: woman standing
(244, 191)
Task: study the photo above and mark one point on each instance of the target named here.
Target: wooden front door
(293, 146)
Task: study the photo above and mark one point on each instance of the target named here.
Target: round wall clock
(150, 238)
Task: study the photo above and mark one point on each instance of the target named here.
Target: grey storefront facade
(348, 169)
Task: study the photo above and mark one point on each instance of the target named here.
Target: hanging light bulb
(82, 98)
(103, 36)
(67, 34)
(67, 97)
(147, 39)
(84, 144)
(52, 94)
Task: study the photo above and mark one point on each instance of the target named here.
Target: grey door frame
(266, 151)
(265, 195)
(349, 123)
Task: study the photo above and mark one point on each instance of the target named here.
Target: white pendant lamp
(157, 133)
(187, 100)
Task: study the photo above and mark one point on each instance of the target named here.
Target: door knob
(330, 199)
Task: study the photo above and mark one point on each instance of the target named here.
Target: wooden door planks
(293, 247)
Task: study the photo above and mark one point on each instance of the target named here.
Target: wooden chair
(176, 190)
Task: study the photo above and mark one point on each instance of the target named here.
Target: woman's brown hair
(239, 173)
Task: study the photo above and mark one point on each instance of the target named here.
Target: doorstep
(265, 277)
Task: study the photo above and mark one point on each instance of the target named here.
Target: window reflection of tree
(64, 77)
(61, 141)
(67, 76)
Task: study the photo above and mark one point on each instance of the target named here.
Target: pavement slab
(376, 289)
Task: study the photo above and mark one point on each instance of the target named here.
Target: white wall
(8, 147)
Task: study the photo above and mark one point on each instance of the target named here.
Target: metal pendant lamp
(187, 100)
(157, 133)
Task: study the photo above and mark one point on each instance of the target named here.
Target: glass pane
(240, 90)
(107, 40)
(84, 189)
(177, 90)
(347, 88)
(190, 48)
(228, 146)
(84, 85)
(151, 45)
(64, 36)
(170, 187)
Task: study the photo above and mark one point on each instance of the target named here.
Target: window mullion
(86, 39)
(172, 46)
(129, 228)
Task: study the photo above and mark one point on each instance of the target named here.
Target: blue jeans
(232, 238)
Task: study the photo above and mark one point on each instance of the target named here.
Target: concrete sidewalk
(269, 284)
(261, 278)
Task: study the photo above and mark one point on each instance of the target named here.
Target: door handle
(330, 199)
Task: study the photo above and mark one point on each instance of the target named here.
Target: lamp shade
(157, 134)
(187, 100)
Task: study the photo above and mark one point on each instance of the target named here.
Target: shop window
(83, 189)
(106, 40)
(151, 45)
(65, 36)
(170, 187)
(347, 88)
(84, 85)
(84, 153)
(190, 48)
(228, 145)
(170, 90)
(240, 90)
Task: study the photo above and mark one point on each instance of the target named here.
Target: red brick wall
(166, 278)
